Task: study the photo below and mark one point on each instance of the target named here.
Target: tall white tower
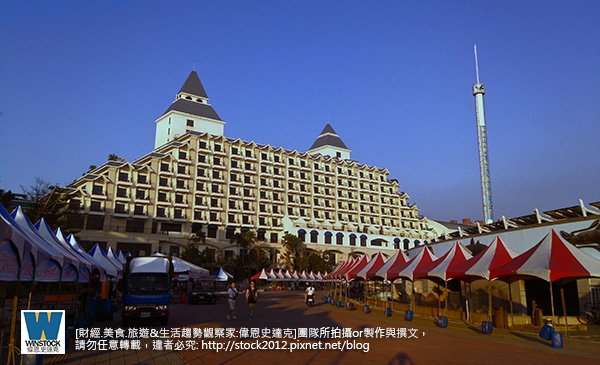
(484, 165)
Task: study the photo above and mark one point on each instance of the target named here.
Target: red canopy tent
(368, 272)
(438, 269)
(485, 265)
(422, 259)
(552, 259)
(261, 275)
(356, 268)
(390, 268)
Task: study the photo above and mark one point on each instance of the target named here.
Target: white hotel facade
(196, 178)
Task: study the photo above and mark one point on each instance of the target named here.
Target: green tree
(251, 257)
(191, 250)
(6, 198)
(314, 261)
(115, 157)
(47, 201)
(293, 255)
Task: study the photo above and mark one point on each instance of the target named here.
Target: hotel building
(196, 178)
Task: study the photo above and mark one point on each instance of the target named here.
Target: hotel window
(232, 190)
(216, 161)
(276, 170)
(247, 192)
(75, 204)
(290, 211)
(276, 183)
(234, 164)
(245, 219)
(232, 204)
(178, 213)
(263, 156)
(338, 154)
(178, 198)
(302, 163)
(248, 166)
(182, 155)
(302, 175)
(277, 159)
(123, 176)
(246, 206)
(217, 147)
(261, 221)
(181, 170)
(302, 212)
(190, 123)
(200, 172)
(142, 179)
(160, 212)
(216, 175)
(140, 194)
(275, 209)
(120, 208)
(181, 184)
(214, 203)
(139, 210)
(273, 237)
(232, 177)
(263, 169)
(97, 189)
(201, 158)
(164, 167)
(198, 200)
(263, 208)
(213, 217)
(234, 151)
(276, 196)
(248, 153)
(121, 193)
(231, 218)
(202, 144)
(162, 197)
(291, 161)
(215, 188)
(263, 182)
(199, 186)
(275, 222)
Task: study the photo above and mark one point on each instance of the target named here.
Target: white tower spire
(484, 167)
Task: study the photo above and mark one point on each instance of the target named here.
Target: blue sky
(81, 80)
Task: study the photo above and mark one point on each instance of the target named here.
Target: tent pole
(552, 304)
(412, 299)
(490, 300)
(564, 308)
(446, 301)
(467, 289)
(13, 325)
(510, 304)
(439, 299)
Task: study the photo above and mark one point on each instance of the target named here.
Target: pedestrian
(232, 295)
(251, 297)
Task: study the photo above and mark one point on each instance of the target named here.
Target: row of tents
(552, 259)
(289, 276)
(34, 252)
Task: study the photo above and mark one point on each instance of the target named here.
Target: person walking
(252, 298)
(232, 295)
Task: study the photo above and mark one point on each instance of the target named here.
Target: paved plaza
(457, 344)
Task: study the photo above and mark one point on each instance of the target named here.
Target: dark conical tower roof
(192, 85)
(328, 137)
